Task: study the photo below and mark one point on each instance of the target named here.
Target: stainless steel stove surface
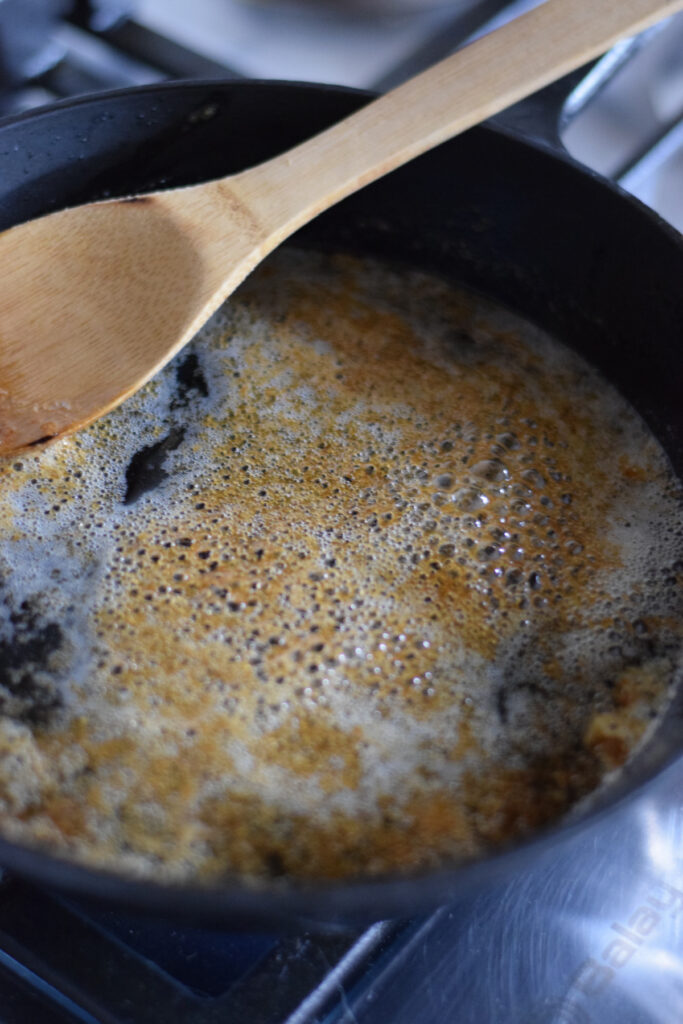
(594, 931)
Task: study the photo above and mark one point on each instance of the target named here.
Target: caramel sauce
(394, 598)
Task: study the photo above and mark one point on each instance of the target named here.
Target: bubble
(468, 499)
(491, 469)
(508, 440)
(489, 552)
(520, 507)
(534, 478)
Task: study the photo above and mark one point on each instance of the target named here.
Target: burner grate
(78, 963)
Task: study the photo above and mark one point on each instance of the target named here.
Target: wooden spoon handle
(453, 95)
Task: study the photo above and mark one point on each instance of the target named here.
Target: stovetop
(594, 931)
(591, 933)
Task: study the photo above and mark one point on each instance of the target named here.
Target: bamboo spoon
(95, 300)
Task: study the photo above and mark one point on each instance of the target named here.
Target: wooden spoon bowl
(96, 299)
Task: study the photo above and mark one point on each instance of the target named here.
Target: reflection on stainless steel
(28, 48)
(656, 177)
(633, 131)
(592, 934)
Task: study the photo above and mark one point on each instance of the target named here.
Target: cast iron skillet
(512, 218)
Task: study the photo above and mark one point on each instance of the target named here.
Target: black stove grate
(77, 47)
(84, 46)
(64, 962)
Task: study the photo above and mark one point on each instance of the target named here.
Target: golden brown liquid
(397, 596)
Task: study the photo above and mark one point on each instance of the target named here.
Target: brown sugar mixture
(372, 578)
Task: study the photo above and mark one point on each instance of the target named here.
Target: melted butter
(396, 598)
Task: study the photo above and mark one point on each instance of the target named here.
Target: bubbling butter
(372, 578)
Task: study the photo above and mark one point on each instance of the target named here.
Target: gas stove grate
(63, 961)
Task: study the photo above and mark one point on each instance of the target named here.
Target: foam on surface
(372, 577)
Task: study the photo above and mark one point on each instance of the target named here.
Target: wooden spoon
(95, 300)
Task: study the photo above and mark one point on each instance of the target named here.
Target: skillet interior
(488, 210)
